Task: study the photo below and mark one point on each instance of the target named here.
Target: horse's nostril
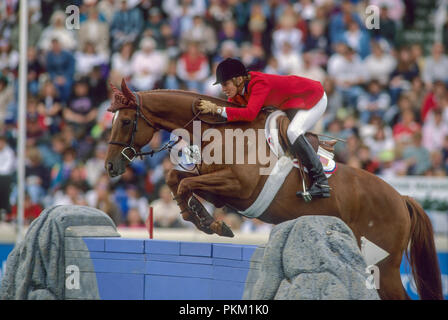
(110, 166)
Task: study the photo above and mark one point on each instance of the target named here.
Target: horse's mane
(194, 95)
(127, 99)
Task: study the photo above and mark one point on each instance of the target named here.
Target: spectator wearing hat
(148, 65)
(127, 24)
(60, 65)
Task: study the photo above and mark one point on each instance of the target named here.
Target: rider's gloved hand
(206, 106)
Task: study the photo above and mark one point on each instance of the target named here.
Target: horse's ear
(127, 92)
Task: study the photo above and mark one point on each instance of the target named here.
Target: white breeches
(306, 119)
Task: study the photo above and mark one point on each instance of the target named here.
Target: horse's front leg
(222, 183)
(191, 209)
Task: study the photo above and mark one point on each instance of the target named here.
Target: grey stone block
(311, 257)
(36, 267)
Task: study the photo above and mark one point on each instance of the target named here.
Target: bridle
(130, 146)
(167, 146)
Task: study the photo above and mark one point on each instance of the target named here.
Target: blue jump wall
(170, 270)
(159, 270)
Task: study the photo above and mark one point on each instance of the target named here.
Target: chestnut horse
(367, 204)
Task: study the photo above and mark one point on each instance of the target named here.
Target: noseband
(130, 146)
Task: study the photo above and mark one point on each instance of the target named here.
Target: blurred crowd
(388, 99)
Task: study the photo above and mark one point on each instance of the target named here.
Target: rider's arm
(258, 94)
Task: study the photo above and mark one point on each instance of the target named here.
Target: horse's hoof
(221, 229)
(226, 231)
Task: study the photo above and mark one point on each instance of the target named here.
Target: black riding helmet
(228, 69)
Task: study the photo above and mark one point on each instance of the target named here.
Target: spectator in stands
(317, 43)
(405, 129)
(388, 27)
(89, 58)
(417, 157)
(170, 80)
(381, 141)
(37, 176)
(57, 30)
(201, 34)
(121, 62)
(309, 69)
(148, 65)
(289, 61)
(6, 99)
(374, 102)
(32, 210)
(95, 165)
(348, 72)
(166, 211)
(101, 198)
(7, 169)
(358, 39)
(35, 29)
(127, 24)
(96, 32)
(61, 170)
(61, 68)
(434, 130)
(433, 98)
(406, 70)
(35, 122)
(70, 195)
(287, 32)
(153, 25)
(436, 66)
(9, 58)
(379, 64)
(80, 112)
(193, 67)
(229, 31)
(339, 22)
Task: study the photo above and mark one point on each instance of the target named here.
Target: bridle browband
(130, 145)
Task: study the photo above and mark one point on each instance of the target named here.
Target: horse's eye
(126, 122)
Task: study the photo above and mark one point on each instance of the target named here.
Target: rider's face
(229, 88)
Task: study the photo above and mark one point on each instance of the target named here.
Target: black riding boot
(319, 182)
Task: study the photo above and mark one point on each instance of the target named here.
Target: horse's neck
(169, 109)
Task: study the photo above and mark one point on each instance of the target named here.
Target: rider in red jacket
(302, 99)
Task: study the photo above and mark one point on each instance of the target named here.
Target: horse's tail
(422, 255)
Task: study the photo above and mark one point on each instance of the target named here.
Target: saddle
(276, 127)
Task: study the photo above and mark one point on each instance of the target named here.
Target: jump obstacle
(75, 252)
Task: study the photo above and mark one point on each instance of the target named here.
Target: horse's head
(131, 130)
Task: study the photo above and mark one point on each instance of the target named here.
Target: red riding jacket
(283, 92)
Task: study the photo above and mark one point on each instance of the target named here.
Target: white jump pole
(21, 141)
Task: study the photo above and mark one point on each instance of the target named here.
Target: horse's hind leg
(391, 287)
